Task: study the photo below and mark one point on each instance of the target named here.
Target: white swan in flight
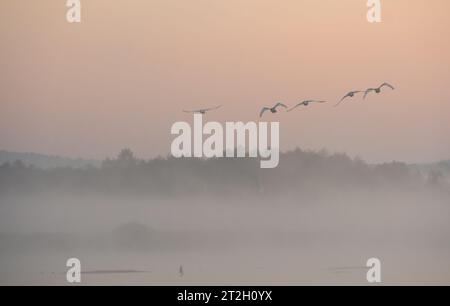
(202, 110)
(378, 89)
(351, 94)
(273, 109)
(306, 103)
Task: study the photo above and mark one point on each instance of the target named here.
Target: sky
(122, 76)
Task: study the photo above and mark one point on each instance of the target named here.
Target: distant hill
(45, 161)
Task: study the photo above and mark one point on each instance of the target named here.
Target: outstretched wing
(212, 108)
(263, 110)
(202, 110)
(280, 104)
(348, 95)
(317, 101)
(368, 91)
(289, 110)
(387, 85)
(343, 98)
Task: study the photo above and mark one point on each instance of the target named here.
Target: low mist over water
(316, 219)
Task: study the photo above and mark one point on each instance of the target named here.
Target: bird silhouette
(378, 89)
(306, 103)
(273, 109)
(202, 110)
(351, 94)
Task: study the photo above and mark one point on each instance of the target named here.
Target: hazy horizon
(114, 155)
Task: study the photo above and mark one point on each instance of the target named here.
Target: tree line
(299, 173)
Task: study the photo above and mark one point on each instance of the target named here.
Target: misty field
(315, 219)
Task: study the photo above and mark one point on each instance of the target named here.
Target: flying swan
(378, 89)
(306, 103)
(202, 110)
(351, 94)
(273, 109)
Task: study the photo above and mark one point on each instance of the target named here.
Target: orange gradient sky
(122, 76)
